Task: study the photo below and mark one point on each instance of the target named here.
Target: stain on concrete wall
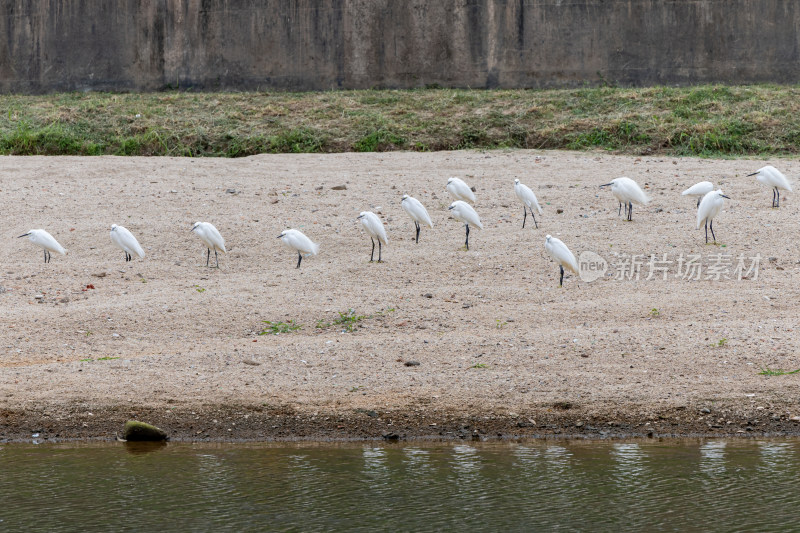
(57, 45)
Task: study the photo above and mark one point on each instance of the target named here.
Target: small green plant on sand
(720, 343)
(276, 328)
(766, 371)
(349, 320)
(654, 312)
(479, 365)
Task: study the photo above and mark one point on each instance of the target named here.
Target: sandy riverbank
(501, 348)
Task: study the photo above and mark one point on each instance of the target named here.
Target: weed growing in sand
(769, 372)
(91, 360)
(720, 343)
(499, 323)
(198, 288)
(655, 313)
(479, 365)
(349, 320)
(275, 328)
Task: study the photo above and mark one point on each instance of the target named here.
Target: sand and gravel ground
(89, 341)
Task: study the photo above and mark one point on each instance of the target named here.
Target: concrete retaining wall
(57, 45)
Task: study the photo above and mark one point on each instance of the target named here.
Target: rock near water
(139, 431)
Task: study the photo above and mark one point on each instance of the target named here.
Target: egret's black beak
(279, 236)
(728, 197)
(449, 208)
(754, 173)
(359, 217)
(23, 235)
(606, 185)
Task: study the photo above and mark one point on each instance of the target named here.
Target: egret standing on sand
(40, 237)
(627, 192)
(529, 201)
(460, 190)
(416, 211)
(463, 212)
(699, 190)
(211, 237)
(375, 229)
(559, 251)
(773, 177)
(709, 208)
(296, 240)
(124, 239)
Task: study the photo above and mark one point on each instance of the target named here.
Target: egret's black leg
(216, 257)
(619, 211)
(45, 256)
(698, 201)
(778, 203)
(712, 232)
(380, 247)
(534, 219)
(561, 281)
(706, 231)
(208, 256)
(467, 241)
(524, 215)
(417, 224)
(630, 211)
(373, 249)
(299, 258)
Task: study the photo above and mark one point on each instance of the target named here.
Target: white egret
(124, 239)
(460, 190)
(463, 212)
(627, 192)
(559, 251)
(297, 241)
(699, 190)
(416, 211)
(211, 237)
(709, 208)
(375, 229)
(773, 177)
(40, 237)
(529, 201)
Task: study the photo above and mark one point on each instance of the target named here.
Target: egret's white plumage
(562, 255)
(376, 230)
(627, 192)
(416, 211)
(773, 177)
(710, 206)
(41, 238)
(297, 241)
(463, 212)
(699, 190)
(124, 239)
(460, 190)
(211, 237)
(528, 199)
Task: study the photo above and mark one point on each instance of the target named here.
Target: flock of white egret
(625, 190)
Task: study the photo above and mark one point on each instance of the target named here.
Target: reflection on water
(628, 486)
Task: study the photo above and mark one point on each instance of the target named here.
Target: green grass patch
(706, 121)
(276, 328)
(777, 372)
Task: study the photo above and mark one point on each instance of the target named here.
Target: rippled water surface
(710, 485)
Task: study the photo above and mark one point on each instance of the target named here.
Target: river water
(685, 485)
